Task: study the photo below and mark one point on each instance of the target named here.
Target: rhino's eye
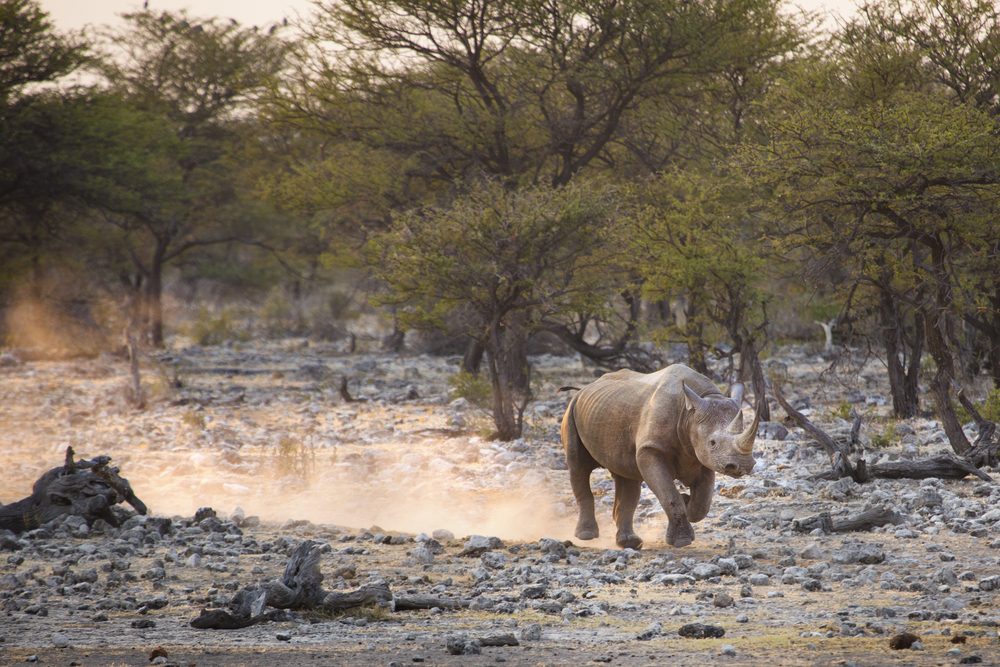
(712, 443)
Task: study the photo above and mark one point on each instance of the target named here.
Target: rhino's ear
(692, 401)
(736, 393)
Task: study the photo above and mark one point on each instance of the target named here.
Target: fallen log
(944, 466)
(868, 519)
(300, 588)
(87, 488)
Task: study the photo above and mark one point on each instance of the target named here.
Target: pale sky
(75, 14)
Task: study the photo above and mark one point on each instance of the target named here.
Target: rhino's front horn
(745, 442)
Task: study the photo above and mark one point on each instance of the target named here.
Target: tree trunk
(993, 337)
(507, 355)
(936, 330)
(694, 334)
(154, 297)
(903, 376)
(472, 361)
(750, 369)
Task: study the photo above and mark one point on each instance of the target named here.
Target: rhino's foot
(629, 541)
(587, 530)
(680, 534)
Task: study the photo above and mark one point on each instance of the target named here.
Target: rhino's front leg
(700, 500)
(656, 473)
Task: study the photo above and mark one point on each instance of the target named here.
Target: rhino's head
(717, 434)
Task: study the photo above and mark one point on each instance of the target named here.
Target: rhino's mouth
(733, 470)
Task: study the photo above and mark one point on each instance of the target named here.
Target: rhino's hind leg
(586, 525)
(626, 500)
(580, 464)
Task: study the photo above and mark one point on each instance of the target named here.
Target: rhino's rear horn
(736, 426)
(691, 398)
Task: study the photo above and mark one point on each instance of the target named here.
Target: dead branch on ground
(300, 588)
(945, 466)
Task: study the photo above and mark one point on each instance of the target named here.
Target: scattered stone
(653, 630)
(532, 632)
(479, 544)
(60, 640)
(283, 637)
(728, 649)
(723, 600)
(705, 571)
(143, 623)
(903, 640)
(505, 639)
(989, 583)
(204, 513)
(701, 631)
(970, 660)
(772, 431)
(443, 535)
(462, 645)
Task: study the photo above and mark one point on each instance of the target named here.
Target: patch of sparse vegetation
(295, 459)
(886, 438)
(473, 388)
(210, 328)
(194, 420)
(843, 410)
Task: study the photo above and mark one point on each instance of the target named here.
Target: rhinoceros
(662, 427)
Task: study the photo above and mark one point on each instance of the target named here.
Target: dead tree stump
(84, 488)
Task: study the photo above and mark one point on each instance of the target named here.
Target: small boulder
(701, 631)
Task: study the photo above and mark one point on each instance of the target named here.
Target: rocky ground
(401, 487)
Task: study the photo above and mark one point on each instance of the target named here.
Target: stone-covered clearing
(264, 429)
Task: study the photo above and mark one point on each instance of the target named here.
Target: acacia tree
(698, 234)
(911, 175)
(953, 47)
(34, 127)
(515, 258)
(199, 75)
(437, 94)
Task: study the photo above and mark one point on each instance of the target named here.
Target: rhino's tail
(568, 433)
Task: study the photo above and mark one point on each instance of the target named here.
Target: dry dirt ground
(395, 484)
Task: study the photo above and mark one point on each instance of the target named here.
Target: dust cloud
(410, 494)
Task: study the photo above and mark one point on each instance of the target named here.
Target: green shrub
(210, 328)
(474, 388)
(989, 409)
(843, 411)
(886, 438)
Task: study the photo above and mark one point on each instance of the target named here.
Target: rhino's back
(609, 411)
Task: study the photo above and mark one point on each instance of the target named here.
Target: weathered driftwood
(88, 488)
(985, 450)
(944, 466)
(868, 519)
(839, 453)
(300, 588)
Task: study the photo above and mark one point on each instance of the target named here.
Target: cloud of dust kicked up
(417, 490)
